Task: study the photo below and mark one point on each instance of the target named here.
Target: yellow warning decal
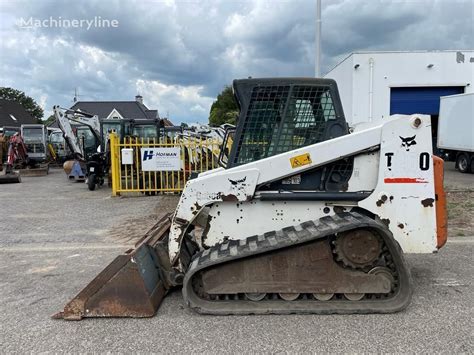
(300, 160)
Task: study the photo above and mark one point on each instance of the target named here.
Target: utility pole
(317, 65)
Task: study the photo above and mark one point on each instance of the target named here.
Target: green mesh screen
(283, 118)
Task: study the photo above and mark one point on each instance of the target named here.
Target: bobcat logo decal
(236, 182)
(408, 142)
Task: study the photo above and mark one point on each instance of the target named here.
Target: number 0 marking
(424, 161)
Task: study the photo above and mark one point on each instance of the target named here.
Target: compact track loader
(307, 217)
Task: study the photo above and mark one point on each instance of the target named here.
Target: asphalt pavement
(53, 242)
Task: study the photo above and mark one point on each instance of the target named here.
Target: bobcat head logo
(236, 182)
(408, 142)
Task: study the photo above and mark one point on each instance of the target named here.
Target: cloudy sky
(179, 54)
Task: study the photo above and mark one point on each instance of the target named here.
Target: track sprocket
(357, 249)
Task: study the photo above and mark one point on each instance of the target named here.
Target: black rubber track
(287, 237)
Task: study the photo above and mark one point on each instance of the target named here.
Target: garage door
(409, 100)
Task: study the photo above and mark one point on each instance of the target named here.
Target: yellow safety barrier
(196, 155)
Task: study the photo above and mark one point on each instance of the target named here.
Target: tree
(224, 109)
(49, 120)
(27, 102)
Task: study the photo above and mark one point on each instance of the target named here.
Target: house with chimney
(135, 109)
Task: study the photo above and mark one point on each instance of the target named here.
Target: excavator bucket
(12, 177)
(130, 286)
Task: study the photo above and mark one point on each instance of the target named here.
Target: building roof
(152, 114)
(13, 114)
(127, 109)
(167, 122)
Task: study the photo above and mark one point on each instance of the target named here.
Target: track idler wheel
(289, 296)
(255, 296)
(385, 272)
(354, 296)
(323, 296)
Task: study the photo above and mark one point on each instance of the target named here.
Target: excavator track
(219, 268)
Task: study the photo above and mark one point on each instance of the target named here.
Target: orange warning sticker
(300, 160)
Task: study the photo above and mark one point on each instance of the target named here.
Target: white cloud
(183, 53)
(181, 103)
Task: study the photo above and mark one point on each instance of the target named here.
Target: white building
(374, 85)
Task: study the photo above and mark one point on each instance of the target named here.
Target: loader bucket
(40, 170)
(130, 286)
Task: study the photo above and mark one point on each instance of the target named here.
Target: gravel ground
(460, 197)
(56, 240)
(456, 181)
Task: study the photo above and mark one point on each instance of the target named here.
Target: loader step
(216, 281)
